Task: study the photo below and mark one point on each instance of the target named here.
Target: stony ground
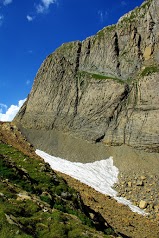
(119, 215)
(142, 190)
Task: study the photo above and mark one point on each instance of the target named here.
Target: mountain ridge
(104, 89)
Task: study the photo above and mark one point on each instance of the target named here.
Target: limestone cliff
(105, 88)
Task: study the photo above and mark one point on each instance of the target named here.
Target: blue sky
(32, 29)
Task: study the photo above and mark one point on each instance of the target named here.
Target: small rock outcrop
(104, 89)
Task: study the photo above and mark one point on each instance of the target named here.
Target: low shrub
(149, 70)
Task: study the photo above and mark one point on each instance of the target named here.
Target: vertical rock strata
(105, 88)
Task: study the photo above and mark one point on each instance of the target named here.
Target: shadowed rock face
(104, 89)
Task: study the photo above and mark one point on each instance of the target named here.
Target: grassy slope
(35, 202)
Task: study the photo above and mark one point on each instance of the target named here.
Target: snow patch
(100, 175)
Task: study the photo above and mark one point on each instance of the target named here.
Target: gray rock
(2, 195)
(82, 88)
(65, 195)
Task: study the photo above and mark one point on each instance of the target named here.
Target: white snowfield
(100, 175)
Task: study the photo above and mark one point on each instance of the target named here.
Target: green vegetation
(135, 14)
(35, 202)
(149, 70)
(103, 77)
(104, 32)
(129, 18)
(66, 47)
(100, 34)
(110, 28)
(95, 76)
(146, 4)
(99, 76)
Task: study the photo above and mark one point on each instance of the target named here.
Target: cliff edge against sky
(103, 89)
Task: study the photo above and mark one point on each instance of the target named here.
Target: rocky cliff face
(104, 89)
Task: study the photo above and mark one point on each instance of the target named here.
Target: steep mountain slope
(104, 89)
(36, 202)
